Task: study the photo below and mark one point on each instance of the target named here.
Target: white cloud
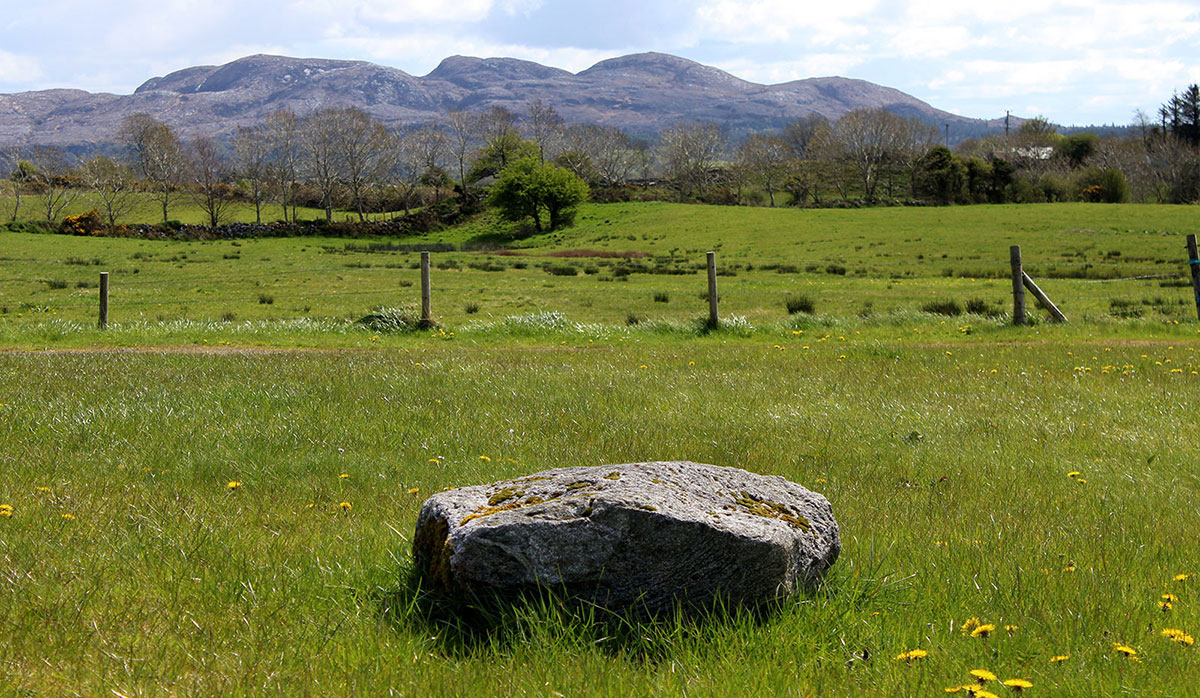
(19, 69)
(773, 21)
(400, 11)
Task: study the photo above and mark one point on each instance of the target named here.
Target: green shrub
(799, 304)
(978, 306)
(393, 319)
(946, 307)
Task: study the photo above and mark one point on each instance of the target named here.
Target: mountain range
(639, 93)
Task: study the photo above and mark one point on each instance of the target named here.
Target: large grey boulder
(641, 535)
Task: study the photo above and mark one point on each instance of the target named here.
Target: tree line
(534, 167)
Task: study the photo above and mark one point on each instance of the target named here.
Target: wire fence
(128, 291)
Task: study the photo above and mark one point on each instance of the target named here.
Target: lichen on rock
(655, 534)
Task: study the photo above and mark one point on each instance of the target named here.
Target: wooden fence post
(426, 310)
(1018, 285)
(1194, 263)
(712, 289)
(1055, 313)
(103, 323)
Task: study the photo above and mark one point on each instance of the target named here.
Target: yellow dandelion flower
(1059, 658)
(1125, 650)
(985, 694)
(966, 688)
(1018, 684)
(911, 655)
(345, 506)
(414, 490)
(1180, 577)
(485, 459)
(983, 630)
(1069, 568)
(969, 623)
(1171, 598)
(234, 484)
(433, 460)
(691, 363)
(43, 489)
(1010, 627)
(6, 511)
(983, 675)
(1165, 606)
(69, 517)
(343, 476)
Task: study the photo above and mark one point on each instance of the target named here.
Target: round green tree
(529, 189)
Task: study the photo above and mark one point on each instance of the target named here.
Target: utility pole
(947, 135)
(1007, 113)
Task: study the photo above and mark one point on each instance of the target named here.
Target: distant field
(1041, 480)
(149, 210)
(857, 263)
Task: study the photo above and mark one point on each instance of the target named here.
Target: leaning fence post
(103, 323)
(1018, 284)
(1043, 299)
(426, 311)
(712, 289)
(1194, 263)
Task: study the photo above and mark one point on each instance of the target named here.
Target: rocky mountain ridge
(640, 93)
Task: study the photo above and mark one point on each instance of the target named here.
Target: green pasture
(1098, 262)
(1040, 480)
(130, 567)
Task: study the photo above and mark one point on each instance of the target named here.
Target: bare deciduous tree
(610, 152)
(52, 180)
(417, 152)
(251, 155)
(864, 138)
(286, 155)
(13, 180)
(113, 187)
(156, 154)
(465, 128)
(765, 159)
(323, 155)
(362, 152)
(690, 153)
(210, 174)
(545, 129)
(799, 133)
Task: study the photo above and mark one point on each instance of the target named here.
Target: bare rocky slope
(640, 93)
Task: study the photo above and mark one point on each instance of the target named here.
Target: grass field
(862, 263)
(1041, 478)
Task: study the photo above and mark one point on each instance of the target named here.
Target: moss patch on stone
(772, 510)
(504, 495)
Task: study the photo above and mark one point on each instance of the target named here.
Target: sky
(1072, 61)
